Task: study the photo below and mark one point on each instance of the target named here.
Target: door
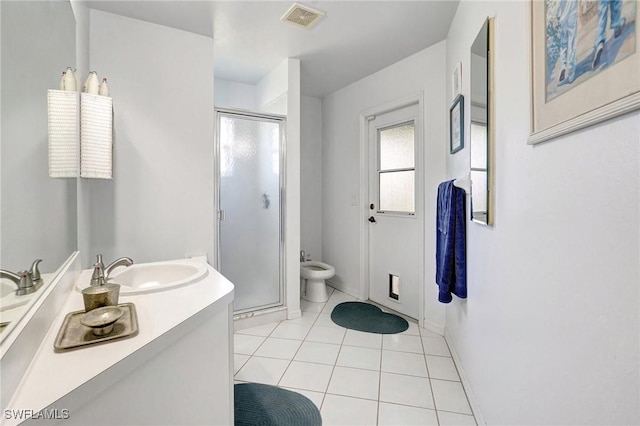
(396, 217)
(250, 246)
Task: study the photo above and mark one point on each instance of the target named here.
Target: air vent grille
(302, 16)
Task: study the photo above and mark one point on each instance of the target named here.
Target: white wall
(422, 72)
(231, 94)
(38, 213)
(311, 176)
(160, 203)
(549, 333)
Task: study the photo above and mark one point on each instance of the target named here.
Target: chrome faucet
(27, 281)
(302, 254)
(101, 273)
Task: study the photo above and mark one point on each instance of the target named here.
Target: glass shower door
(249, 217)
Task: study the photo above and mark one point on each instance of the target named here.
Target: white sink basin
(8, 298)
(157, 276)
(7, 288)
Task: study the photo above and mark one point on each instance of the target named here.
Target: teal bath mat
(369, 318)
(264, 405)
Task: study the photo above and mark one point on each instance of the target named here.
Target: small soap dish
(102, 320)
(73, 333)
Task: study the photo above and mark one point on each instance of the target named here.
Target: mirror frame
(488, 219)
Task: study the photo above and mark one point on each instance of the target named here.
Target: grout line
(433, 396)
(298, 350)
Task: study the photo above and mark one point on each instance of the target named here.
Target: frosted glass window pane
(396, 147)
(478, 146)
(397, 191)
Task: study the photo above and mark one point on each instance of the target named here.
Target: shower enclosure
(250, 241)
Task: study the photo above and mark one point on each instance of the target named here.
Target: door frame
(365, 118)
(217, 181)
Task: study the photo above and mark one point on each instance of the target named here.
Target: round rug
(367, 317)
(257, 404)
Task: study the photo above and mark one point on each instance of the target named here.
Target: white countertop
(51, 375)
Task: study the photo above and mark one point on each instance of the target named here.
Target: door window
(396, 169)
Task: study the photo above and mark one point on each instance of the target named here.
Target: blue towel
(451, 258)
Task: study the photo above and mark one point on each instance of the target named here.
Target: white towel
(62, 114)
(96, 136)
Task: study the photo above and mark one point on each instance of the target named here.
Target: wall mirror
(38, 221)
(482, 126)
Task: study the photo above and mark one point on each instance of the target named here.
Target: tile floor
(355, 378)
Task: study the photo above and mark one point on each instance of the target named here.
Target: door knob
(372, 219)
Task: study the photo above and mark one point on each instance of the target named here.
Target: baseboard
(258, 318)
(465, 380)
(432, 326)
(349, 291)
(294, 314)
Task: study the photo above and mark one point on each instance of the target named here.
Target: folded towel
(62, 114)
(96, 136)
(451, 261)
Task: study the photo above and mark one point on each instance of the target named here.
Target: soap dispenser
(92, 83)
(104, 89)
(61, 84)
(70, 82)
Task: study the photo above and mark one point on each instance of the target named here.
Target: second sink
(157, 276)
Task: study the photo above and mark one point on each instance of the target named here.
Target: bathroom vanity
(176, 370)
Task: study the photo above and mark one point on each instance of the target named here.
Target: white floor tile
(413, 329)
(239, 361)
(315, 397)
(321, 353)
(291, 331)
(335, 300)
(402, 342)
(405, 390)
(307, 306)
(344, 411)
(278, 348)
(261, 330)
(352, 356)
(435, 346)
(428, 333)
(305, 375)
(354, 382)
(402, 415)
(455, 419)
(262, 370)
(441, 367)
(326, 335)
(450, 396)
(307, 318)
(404, 363)
(245, 344)
(363, 340)
(324, 320)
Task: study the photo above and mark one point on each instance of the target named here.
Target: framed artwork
(456, 125)
(456, 81)
(585, 63)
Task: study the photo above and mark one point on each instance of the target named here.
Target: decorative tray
(73, 334)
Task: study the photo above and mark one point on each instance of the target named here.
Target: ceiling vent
(302, 16)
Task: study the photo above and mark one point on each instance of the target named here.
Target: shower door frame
(281, 120)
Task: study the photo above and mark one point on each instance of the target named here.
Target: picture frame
(456, 125)
(456, 81)
(580, 70)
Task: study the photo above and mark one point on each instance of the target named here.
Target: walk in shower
(250, 232)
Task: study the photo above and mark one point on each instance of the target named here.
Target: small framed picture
(456, 125)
